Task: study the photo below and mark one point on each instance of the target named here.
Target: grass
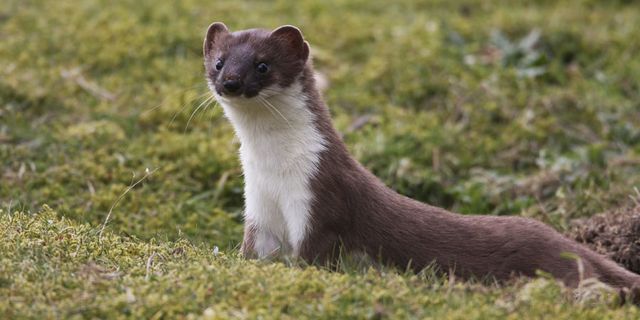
(523, 107)
(54, 267)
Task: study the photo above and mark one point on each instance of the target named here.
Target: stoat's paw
(630, 295)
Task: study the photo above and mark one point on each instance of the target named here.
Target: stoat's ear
(292, 38)
(214, 33)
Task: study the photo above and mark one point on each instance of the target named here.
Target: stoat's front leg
(259, 242)
(264, 227)
(249, 241)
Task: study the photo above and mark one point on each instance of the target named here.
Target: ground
(118, 178)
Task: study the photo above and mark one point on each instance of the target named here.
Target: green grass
(54, 267)
(463, 112)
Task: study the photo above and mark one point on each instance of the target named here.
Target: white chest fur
(279, 151)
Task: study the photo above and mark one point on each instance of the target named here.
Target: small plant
(526, 54)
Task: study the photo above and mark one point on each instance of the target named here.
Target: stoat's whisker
(282, 93)
(278, 111)
(206, 101)
(211, 114)
(185, 106)
(182, 91)
(262, 101)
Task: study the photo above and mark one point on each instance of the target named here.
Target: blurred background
(525, 108)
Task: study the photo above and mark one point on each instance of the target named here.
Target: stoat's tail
(611, 273)
(615, 275)
(632, 295)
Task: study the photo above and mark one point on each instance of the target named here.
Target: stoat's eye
(219, 64)
(262, 67)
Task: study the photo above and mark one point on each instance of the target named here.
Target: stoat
(305, 195)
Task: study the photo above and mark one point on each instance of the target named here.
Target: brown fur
(354, 209)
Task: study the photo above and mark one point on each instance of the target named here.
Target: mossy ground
(522, 107)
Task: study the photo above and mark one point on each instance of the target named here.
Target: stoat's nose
(232, 85)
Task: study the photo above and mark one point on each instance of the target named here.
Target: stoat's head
(248, 63)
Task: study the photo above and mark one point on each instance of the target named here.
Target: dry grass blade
(76, 76)
(106, 219)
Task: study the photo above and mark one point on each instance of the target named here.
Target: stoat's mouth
(235, 102)
(265, 93)
(239, 95)
(222, 93)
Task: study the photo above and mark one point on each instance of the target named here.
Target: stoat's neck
(276, 128)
